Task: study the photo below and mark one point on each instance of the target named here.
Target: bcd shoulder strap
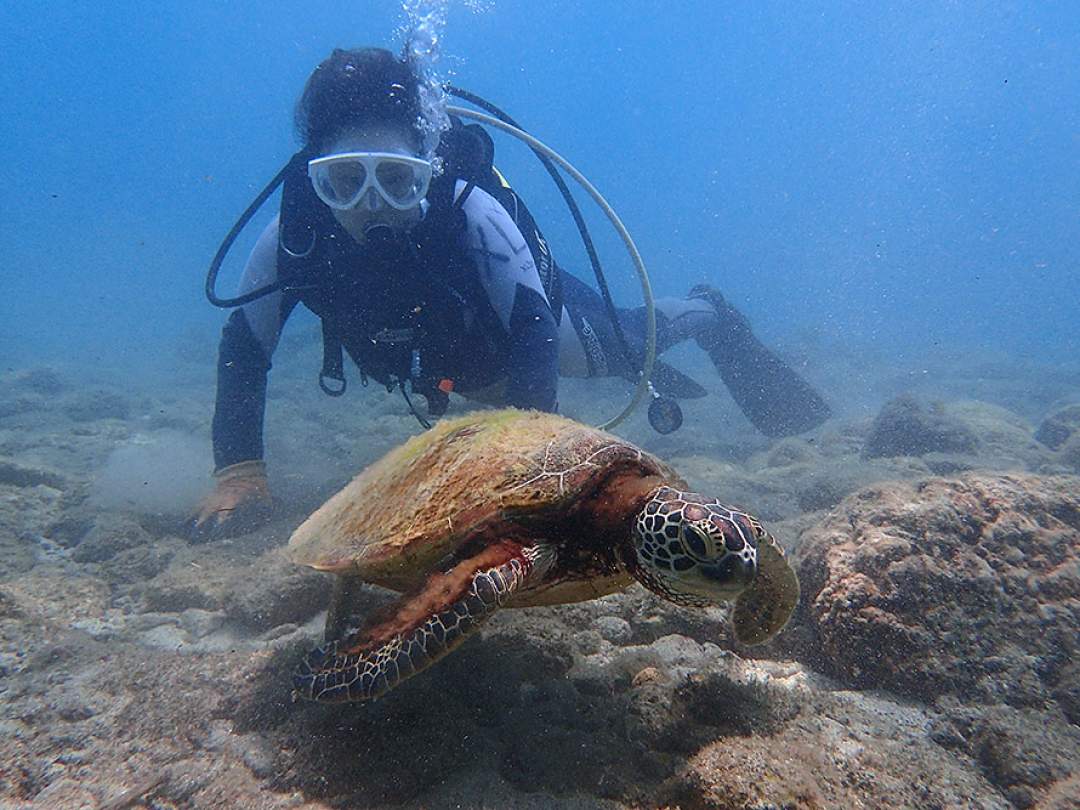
(468, 154)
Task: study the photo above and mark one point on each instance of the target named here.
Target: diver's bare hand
(240, 502)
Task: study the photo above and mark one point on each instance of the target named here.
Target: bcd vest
(406, 310)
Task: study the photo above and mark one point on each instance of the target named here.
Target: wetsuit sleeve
(247, 343)
(509, 276)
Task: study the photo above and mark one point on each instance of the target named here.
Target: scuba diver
(437, 282)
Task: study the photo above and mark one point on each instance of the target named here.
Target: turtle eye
(696, 542)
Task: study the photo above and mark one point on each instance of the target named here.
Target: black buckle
(326, 389)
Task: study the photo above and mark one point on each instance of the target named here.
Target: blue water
(900, 178)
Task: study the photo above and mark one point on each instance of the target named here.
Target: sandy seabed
(931, 664)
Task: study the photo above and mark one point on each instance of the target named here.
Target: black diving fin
(670, 382)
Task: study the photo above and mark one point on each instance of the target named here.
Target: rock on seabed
(963, 594)
(945, 584)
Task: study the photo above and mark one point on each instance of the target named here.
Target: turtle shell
(401, 516)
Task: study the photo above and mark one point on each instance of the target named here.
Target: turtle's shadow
(505, 706)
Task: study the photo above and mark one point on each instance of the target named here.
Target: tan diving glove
(240, 502)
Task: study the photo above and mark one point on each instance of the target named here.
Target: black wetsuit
(481, 324)
(481, 320)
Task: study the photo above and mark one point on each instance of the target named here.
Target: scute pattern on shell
(411, 508)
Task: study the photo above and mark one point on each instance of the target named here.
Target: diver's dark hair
(354, 87)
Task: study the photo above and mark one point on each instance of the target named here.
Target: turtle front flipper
(763, 609)
(421, 627)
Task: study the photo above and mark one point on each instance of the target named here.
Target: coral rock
(1056, 428)
(905, 428)
(968, 586)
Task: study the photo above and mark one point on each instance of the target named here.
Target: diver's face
(372, 211)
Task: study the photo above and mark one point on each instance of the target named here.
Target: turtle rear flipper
(763, 609)
(339, 618)
(420, 629)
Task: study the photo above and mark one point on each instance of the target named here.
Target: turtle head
(693, 550)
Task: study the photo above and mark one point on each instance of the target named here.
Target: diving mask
(342, 180)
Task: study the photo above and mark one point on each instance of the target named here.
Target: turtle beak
(732, 572)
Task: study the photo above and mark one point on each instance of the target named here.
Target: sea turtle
(516, 508)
